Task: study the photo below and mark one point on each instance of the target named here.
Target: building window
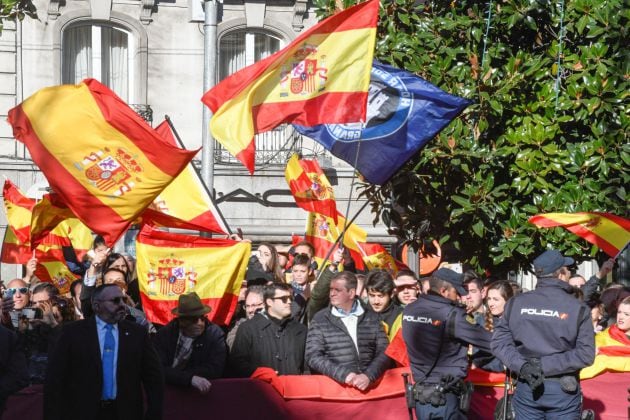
(240, 49)
(100, 51)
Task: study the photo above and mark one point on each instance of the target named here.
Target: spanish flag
(375, 256)
(310, 187)
(170, 265)
(46, 215)
(609, 232)
(105, 162)
(13, 250)
(321, 77)
(322, 232)
(19, 209)
(186, 202)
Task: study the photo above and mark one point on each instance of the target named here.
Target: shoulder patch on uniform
(470, 319)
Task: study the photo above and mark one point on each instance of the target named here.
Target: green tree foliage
(12, 9)
(522, 148)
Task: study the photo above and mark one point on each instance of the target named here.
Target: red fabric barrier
(249, 399)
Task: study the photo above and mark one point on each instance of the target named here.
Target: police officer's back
(437, 333)
(547, 336)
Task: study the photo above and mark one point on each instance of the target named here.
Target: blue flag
(404, 113)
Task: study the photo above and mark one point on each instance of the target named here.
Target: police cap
(456, 279)
(550, 261)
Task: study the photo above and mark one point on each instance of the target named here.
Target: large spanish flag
(186, 202)
(609, 232)
(105, 162)
(322, 232)
(170, 265)
(321, 77)
(310, 187)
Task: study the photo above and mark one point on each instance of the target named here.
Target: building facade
(151, 53)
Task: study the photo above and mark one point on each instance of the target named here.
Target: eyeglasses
(254, 305)
(192, 319)
(116, 300)
(284, 299)
(22, 290)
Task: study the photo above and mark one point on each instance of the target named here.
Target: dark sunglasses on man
(284, 299)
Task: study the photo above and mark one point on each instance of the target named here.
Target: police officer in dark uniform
(437, 332)
(547, 336)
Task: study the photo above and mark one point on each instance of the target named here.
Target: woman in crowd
(270, 261)
(613, 345)
(497, 296)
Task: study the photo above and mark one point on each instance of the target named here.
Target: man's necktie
(108, 363)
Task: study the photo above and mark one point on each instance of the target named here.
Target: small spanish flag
(19, 210)
(322, 77)
(170, 265)
(47, 214)
(105, 162)
(609, 232)
(310, 187)
(322, 232)
(375, 256)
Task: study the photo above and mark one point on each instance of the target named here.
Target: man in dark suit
(102, 363)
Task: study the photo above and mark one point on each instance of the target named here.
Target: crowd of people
(298, 318)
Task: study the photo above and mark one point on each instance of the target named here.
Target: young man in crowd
(474, 299)
(380, 291)
(271, 338)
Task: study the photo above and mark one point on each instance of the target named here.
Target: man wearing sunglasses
(191, 348)
(104, 362)
(271, 338)
(15, 297)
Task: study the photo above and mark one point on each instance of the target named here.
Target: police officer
(437, 332)
(547, 336)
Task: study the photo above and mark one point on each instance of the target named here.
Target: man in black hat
(546, 335)
(437, 332)
(191, 348)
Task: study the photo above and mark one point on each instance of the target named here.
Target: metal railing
(144, 111)
(273, 147)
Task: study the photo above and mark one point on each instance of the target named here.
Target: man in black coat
(192, 349)
(271, 338)
(104, 362)
(346, 342)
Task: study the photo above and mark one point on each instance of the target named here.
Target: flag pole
(354, 176)
(205, 186)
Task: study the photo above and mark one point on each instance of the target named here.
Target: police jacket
(547, 323)
(331, 351)
(437, 333)
(262, 342)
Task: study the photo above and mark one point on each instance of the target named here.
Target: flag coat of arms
(310, 187)
(375, 256)
(105, 162)
(170, 265)
(321, 77)
(404, 113)
(609, 232)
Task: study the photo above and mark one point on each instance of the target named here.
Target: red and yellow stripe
(170, 265)
(102, 159)
(18, 209)
(333, 89)
(609, 232)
